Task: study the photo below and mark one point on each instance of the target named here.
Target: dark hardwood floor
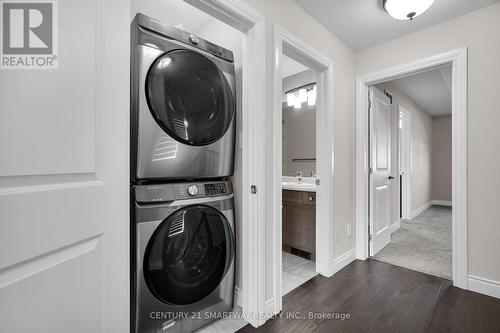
(380, 297)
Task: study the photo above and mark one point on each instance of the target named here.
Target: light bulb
(290, 99)
(303, 95)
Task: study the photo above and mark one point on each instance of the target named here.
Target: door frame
(404, 153)
(287, 44)
(458, 60)
(252, 24)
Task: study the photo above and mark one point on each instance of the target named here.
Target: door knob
(390, 177)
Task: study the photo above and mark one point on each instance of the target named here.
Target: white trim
(252, 25)
(270, 306)
(484, 286)
(395, 226)
(344, 260)
(458, 59)
(237, 296)
(442, 203)
(420, 210)
(285, 43)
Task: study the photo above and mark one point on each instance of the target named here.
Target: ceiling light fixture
(406, 9)
(297, 96)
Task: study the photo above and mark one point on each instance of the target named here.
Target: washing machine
(183, 105)
(183, 254)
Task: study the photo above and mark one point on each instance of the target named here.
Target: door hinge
(370, 237)
(370, 170)
(369, 103)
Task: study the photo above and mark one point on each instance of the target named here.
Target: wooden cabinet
(299, 222)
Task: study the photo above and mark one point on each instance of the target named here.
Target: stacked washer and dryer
(183, 115)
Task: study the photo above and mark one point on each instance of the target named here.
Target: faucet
(298, 174)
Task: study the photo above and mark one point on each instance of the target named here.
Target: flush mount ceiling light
(406, 9)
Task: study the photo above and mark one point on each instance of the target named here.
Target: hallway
(423, 244)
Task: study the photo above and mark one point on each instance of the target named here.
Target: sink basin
(308, 184)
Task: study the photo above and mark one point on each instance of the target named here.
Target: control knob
(192, 190)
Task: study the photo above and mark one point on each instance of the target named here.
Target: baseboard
(484, 286)
(237, 296)
(270, 310)
(395, 226)
(441, 203)
(344, 260)
(420, 210)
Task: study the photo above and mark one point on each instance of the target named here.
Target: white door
(64, 260)
(380, 170)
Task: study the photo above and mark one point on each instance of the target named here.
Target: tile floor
(226, 325)
(296, 271)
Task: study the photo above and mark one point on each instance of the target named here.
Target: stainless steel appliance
(183, 105)
(184, 252)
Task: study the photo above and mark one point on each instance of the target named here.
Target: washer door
(189, 97)
(188, 255)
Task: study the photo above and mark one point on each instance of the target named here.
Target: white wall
(441, 158)
(478, 31)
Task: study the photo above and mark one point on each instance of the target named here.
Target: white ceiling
(363, 23)
(431, 90)
(172, 12)
(291, 67)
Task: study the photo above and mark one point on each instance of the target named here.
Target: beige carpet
(422, 244)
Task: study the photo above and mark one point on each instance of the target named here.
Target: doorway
(285, 44)
(458, 62)
(249, 26)
(298, 174)
(418, 114)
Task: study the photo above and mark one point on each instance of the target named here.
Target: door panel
(64, 179)
(380, 162)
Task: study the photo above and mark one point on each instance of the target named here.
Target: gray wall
(299, 129)
(421, 141)
(441, 158)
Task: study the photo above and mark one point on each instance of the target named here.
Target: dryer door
(188, 255)
(189, 97)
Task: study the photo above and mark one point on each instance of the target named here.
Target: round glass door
(189, 97)
(188, 255)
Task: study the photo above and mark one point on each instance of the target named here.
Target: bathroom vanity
(299, 222)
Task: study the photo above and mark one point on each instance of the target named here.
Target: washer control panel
(193, 190)
(157, 193)
(215, 189)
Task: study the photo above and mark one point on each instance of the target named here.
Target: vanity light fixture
(406, 9)
(297, 96)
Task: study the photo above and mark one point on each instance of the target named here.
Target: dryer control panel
(216, 188)
(156, 193)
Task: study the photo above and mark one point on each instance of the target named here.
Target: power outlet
(348, 230)
(336, 231)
